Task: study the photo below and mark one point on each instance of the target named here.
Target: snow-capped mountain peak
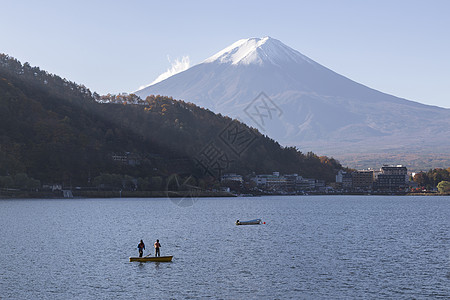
(257, 51)
(321, 110)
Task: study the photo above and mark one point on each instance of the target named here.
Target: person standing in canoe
(157, 246)
(141, 248)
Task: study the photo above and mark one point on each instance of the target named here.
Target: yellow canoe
(152, 258)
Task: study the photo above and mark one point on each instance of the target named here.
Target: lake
(311, 247)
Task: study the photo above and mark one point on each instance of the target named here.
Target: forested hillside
(56, 131)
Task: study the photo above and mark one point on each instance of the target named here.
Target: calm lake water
(311, 247)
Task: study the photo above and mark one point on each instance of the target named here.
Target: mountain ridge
(57, 131)
(323, 111)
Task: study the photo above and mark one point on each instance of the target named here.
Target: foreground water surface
(311, 247)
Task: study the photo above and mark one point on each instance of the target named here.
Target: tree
(129, 183)
(6, 181)
(444, 187)
(21, 180)
(33, 184)
(143, 184)
(57, 131)
(156, 182)
(421, 179)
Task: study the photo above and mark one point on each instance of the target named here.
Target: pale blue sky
(398, 47)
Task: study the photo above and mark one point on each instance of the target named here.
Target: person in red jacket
(141, 248)
(157, 246)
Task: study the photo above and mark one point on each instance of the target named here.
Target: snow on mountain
(258, 51)
(297, 101)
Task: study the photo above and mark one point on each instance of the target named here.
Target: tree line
(56, 131)
(433, 178)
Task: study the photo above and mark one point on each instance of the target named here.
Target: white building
(232, 177)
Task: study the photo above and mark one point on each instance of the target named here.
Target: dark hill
(57, 131)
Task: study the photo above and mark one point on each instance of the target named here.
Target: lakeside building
(362, 180)
(232, 181)
(347, 181)
(392, 178)
(305, 184)
(394, 170)
(340, 176)
(344, 180)
(287, 183)
(232, 177)
(387, 178)
(271, 182)
(291, 182)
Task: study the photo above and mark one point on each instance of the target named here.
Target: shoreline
(109, 194)
(77, 194)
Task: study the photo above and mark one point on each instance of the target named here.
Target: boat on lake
(152, 258)
(251, 222)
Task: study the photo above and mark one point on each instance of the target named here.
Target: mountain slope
(313, 107)
(54, 131)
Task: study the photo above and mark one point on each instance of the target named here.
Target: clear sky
(400, 47)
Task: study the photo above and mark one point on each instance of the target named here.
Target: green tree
(54, 130)
(143, 184)
(6, 181)
(156, 183)
(129, 183)
(188, 183)
(103, 179)
(21, 180)
(33, 184)
(444, 187)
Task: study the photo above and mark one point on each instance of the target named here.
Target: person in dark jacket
(141, 248)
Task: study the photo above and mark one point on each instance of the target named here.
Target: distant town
(389, 179)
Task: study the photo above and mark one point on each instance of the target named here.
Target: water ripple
(309, 248)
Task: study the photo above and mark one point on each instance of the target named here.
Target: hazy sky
(395, 46)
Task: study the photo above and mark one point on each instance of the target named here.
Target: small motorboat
(251, 222)
(152, 258)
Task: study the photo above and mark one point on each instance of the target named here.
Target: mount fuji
(299, 102)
